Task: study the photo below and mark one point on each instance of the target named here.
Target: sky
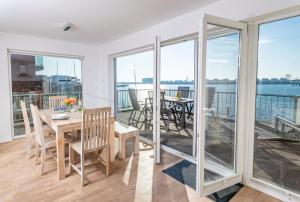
(278, 55)
(279, 49)
(63, 66)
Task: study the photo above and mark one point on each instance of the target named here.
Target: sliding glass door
(221, 98)
(276, 148)
(134, 87)
(177, 96)
(34, 78)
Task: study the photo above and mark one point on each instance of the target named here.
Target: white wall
(189, 23)
(94, 79)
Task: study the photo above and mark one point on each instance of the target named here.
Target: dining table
(184, 103)
(62, 127)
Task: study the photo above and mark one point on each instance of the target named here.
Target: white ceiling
(96, 20)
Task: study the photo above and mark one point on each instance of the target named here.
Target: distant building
(147, 80)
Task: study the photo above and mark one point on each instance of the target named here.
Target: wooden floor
(134, 179)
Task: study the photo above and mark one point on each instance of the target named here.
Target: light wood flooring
(134, 179)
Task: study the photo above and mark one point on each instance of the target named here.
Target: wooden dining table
(61, 127)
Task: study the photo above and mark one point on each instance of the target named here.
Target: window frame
(249, 179)
(32, 53)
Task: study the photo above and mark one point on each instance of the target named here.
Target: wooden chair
(56, 101)
(44, 142)
(28, 133)
(95, 134)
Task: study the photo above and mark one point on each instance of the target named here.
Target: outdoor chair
(210, 94)
(137, 115)
(184, 93)
(166, 111)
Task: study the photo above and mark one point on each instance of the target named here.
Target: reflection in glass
(35, 78)
(222, 67)
(277, 124)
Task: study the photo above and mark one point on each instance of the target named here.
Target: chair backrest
(38, 131)
(133, 98)
(210, 94)
(162, 99)
(25, 118)
(95, 131)
(184, 91)
(56, 101)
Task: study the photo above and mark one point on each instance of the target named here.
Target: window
(35, 77)
(277, 121)
(134, 84)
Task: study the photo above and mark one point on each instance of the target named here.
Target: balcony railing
(39, 99)
(268, 106)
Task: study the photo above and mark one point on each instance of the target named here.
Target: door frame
(249, 179)
(190, 37)
(208, 188)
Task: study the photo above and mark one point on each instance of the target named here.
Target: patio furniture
(72, 124)
(184, 91)
(124, 132)
(56, 101)
(210, 94)
(166, 111)
(183, 103)
(137, 116)
(95, 135)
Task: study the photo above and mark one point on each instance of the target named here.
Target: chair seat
(50, 140)
(77, 147)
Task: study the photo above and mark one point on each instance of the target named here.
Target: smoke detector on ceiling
(67, 26)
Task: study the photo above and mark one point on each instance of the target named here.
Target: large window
(134, 87)
(277, 122)
(35, 77)
(177, 96)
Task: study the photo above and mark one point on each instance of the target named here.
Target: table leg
(136, 144)
(122, 147)
(183, 114)
(60, 147)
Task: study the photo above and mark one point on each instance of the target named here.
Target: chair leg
(28, 146)
(36, 152)
(71, 159)
(82, 169)
(168, 121)
(107, 162)
(43, 158)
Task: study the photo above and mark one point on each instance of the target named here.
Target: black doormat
(185, 172)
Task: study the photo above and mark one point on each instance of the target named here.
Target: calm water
(277, 89)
